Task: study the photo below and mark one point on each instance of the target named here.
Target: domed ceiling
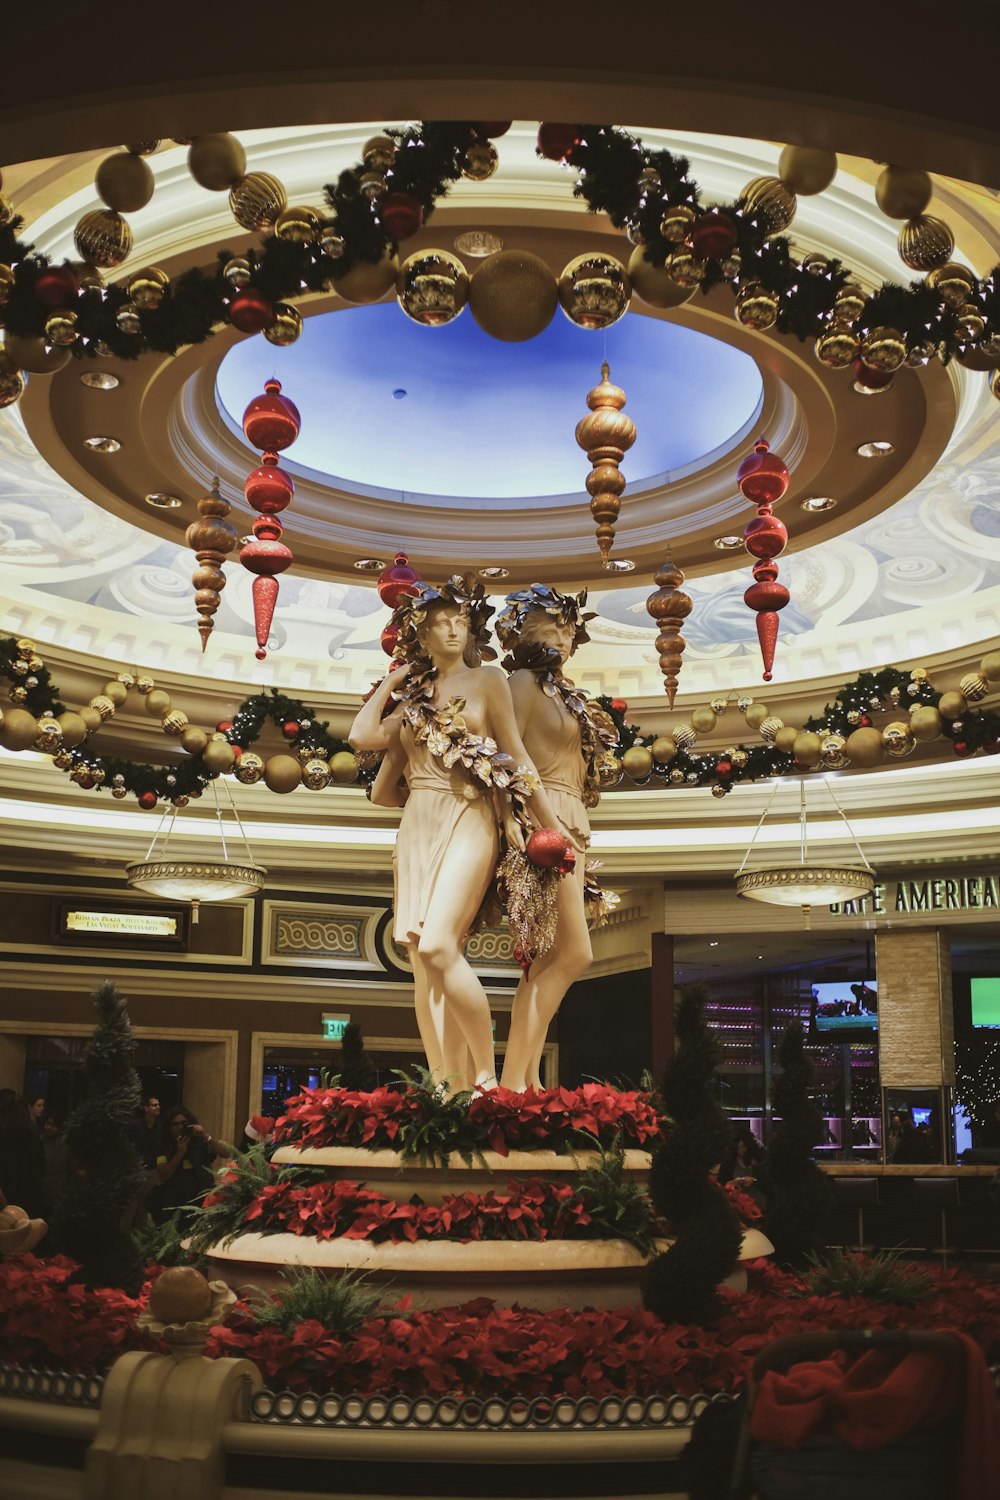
(461, 450)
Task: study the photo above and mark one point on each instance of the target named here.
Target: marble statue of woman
(455, 762)
(566, 737)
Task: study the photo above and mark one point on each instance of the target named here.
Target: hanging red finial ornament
(271, 422)
(394, 583)
(763, 479)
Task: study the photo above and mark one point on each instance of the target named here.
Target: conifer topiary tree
(682, 1283)
(798, 1192)
(105, 1171)
(357, 1071)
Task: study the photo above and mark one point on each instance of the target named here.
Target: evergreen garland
(106, 1175)
(798, 1192)
(356, 1070)
(682, 1283)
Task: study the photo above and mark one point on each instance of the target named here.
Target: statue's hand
(513, 832)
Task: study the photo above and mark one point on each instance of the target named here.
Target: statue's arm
(386, 789)
(369, 730)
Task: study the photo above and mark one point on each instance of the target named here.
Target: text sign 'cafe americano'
(936, 896)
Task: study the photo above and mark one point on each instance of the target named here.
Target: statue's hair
(413, 613)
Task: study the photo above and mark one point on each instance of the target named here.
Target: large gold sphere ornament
(316, 774)
(116, 691)
(74, 730)
(990, 666)
(367, 281)
(256, 200)
(297, 225)
(833, 752)
(104, 706)
(157, 703)
(756, 307)
(784, 739)
(193, 740)
(653, 284)
(218, 757)
(898, 740)
(11, 383)
(884, 349)
(344, 767)
(975, 686)
(432, 287)
(174, 723)
(103, 238)
(513, 296)
(664, 748)
(677, 222)
(638, 762)
(769, 727)
(926, 722)
(686, 270)
(249, 768)
(837, 347)
(594, 291)
(379, 153)
(954, 283)
(807, 748)
(769, 200)
(755, 714)
(216, 162)
(285, 326)
(865, 748)
(703, 720)
(683, 736)
(27, 352)
(282, 773)
(125, 182)
(18, 730)
(807, 169)
(481, 161)
(148, 288)
(925, 243)
(952, 705)
(91, 718)
(903, 193)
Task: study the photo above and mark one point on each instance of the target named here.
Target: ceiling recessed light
(819, 502)
(477, 243)
(619, 565)
(875, 450)
(102, 444)
(871, 390)
(370, 564)
(728, 543)
(99, 380)
(494, 572)
(161, 501)
(713, 944)
(399, 394)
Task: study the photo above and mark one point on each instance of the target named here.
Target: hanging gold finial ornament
(605, 436)
(668, 607)
(211, 539)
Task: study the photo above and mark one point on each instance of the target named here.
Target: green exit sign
(334, 1027)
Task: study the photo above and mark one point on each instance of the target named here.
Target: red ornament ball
(547, 848)
(271, 421)
(401, 214)
(491, 130)
(395, 582)
(724, 767)
(557, 142)
(765, 536)
(250, 311)
(713, 235)
(390, 635)
(619, 705)
(266, 556)
(962, 748)
(763, 476)
(992, 747)
(291, 729)
(870, 378)
(269, 489)
(864, 722)
(237, 751)
(224, 726)
(56, 286)
(147, 801)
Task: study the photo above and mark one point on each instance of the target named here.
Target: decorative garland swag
(39, 721)
(648, 194)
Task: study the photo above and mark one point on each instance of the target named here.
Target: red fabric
(880, 1398)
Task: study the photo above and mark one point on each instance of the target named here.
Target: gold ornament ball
(784, 739)
(216, 162)
(344, 767)
(481, 161)
(718, 705)
(366, 282)
(703, 720)
(685, 270)
(924, 243)
(756, 307)
(193, 740)
(144, 683)
(282, 773)
(898, 740)
(298, 225)
(975, 686)
(174, 723)
(995, 384)
(249, 768)
(683, 736)
(237, 272)
(316, 774)
(285, 327)
(157, 703)
(718, 790)
(743, 702)
(257, 200)
(638, 762)
(884, 349)
(432, 287)
(127, 318)
(653, 284)
(6, 283)
(837, 348)
(990, 666)
(925, 722)
(30, 353)
(594, 291)
(379, 153)
(218, 756)
(952, 705)
(676, 223)
(970, 321)
(849, 303)
(125, 182)
(148, 288)
(902, 192)
(513, 296)
(768, 199)
(739, 758)
(756, 714)
(865, 748)
(664, 749)
(74, 730)
(91, 718)
(954, 283)
(807, 747)
(833, 752)
(103, 705)
(103, 238)
(60, 328)
(769, 727)
(49, 734)
(609, 771)
(372, 185)
(119, 793)
(116, 691)
(11, 383)
(19, 729)
(807, 169)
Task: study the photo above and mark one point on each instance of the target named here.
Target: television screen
(921, 1116)
(845, 1007)
(985, 1002)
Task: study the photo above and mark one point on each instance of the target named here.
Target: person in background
(22, 1159)
(56, 1149)
(741, 1164)
(184, 1167)
(894, 1137)
(146, 1133)
(37, 1109)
